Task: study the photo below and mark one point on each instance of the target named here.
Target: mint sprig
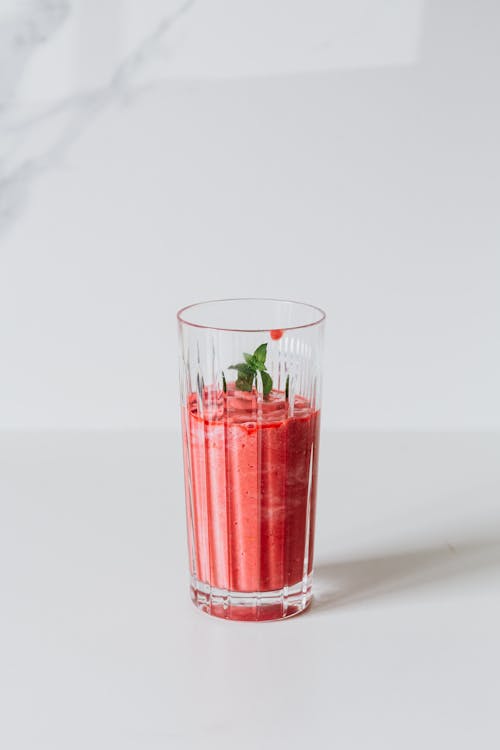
(249, 369)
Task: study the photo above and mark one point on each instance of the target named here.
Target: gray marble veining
(36, 136)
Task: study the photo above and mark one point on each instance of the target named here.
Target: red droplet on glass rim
(276, 334)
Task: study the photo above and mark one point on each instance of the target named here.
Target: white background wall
(367, 184)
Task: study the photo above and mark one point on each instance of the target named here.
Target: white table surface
(101, 648)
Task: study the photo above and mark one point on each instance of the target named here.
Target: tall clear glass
(250, 378)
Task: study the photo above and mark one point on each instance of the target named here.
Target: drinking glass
(250, 381)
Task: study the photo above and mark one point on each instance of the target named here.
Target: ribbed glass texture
(251, 453)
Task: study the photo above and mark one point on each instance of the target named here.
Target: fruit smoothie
(253, 467)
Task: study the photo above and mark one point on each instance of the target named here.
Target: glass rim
(181, 319)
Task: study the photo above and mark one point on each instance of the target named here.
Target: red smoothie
(253, 489)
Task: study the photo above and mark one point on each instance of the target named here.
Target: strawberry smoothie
(252, 489)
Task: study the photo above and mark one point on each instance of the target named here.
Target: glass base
(253, 605)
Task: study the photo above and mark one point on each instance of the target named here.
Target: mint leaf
(245, 378)
(287, 387)
(250, 360)
(224, 384)
(267, 382)
(244, 384)
(260, 354)
(243, 369)
(248, 370)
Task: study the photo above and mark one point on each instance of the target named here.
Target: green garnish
(287, 387)
(224, 385)
(249, 369)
